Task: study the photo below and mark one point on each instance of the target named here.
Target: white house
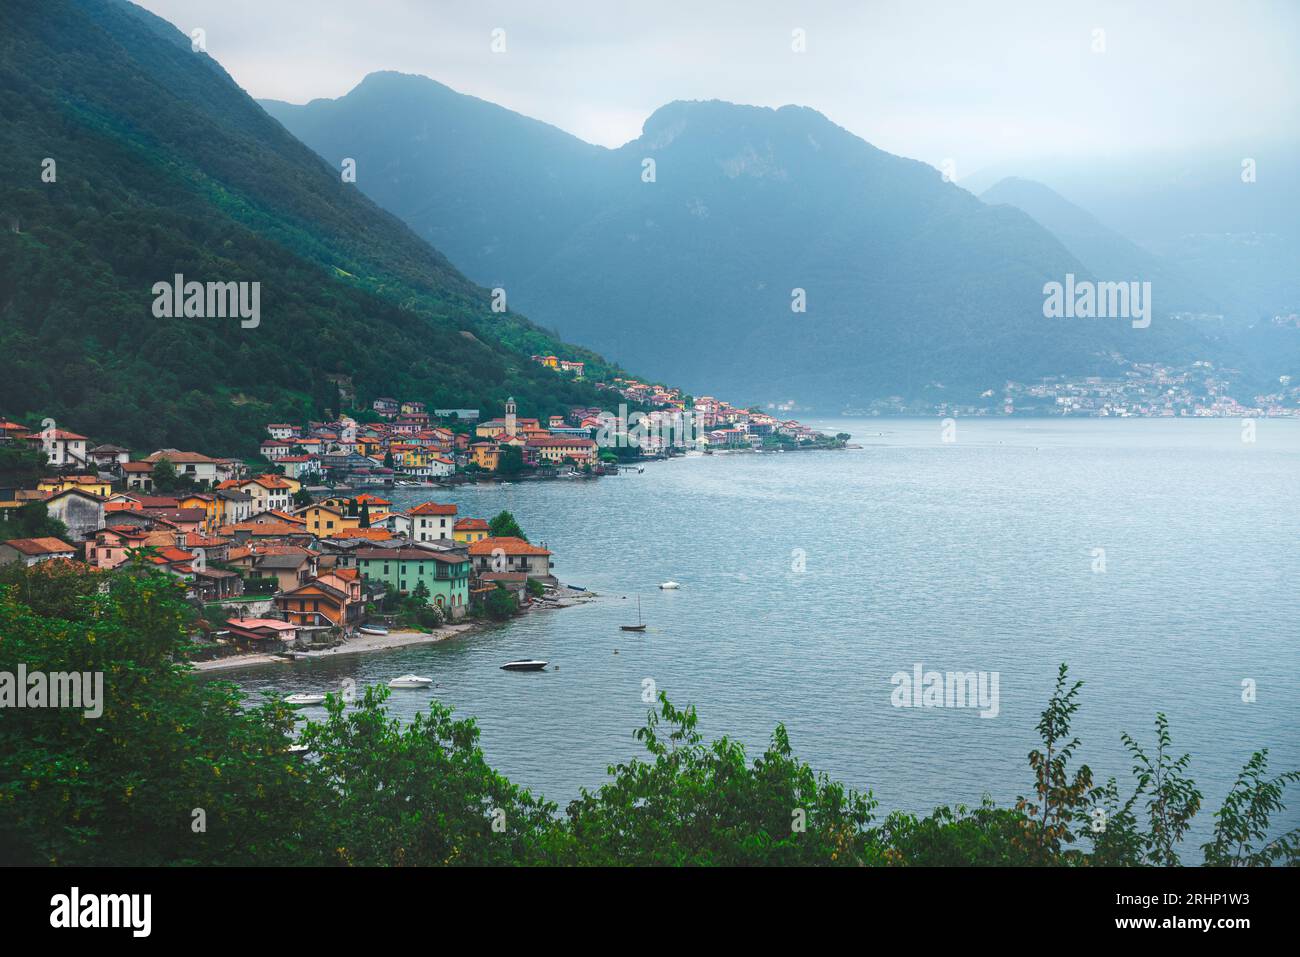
(431, 521)
(61, 447)
(193, 465)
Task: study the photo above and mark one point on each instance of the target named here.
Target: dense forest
(127, 157)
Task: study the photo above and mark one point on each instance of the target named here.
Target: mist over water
(972, 556)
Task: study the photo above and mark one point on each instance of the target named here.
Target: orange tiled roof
(508, 544)
(370, 534)
(39, 546)
(432, 508)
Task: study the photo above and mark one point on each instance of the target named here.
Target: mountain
(913, 286)
(162, 165)
(1104, 251)
(1236, 231)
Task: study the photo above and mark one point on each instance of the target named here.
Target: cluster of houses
(228, 534)
(569, 366)
(408, 443)
(720, 424)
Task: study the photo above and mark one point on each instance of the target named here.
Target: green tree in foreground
(698, 803)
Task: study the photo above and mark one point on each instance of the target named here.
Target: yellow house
(210, 504)
(470, 530)
(83, 483)
(407, 456)
(340, 502)
(324, 521)
(486, 455)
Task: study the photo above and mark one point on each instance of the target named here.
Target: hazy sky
(981, 83)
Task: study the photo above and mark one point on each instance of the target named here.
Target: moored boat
(410, 681)
(527, 664)
(304, 699)
(640, 625)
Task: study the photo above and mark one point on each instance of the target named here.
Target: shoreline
(365, 644)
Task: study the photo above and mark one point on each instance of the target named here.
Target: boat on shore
(410, 681)
(373, 630)
(527, 664)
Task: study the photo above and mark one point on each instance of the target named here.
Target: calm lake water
(976, 555)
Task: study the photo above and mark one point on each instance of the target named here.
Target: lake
(809, 579)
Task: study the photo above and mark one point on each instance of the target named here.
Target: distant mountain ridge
(1103, 250)
(913, 286)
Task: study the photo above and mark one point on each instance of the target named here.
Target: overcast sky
(980, 83)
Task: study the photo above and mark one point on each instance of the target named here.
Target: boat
(410, 681)
(527, 664)
(373, 630)
(640, 625)
(302, 700)
(670, 586)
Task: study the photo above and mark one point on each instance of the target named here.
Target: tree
(1057, 800)
(505, 526)
(166, 479)
(694, 803)
(500, 604)
(1241, 825)
(365, 515)
(32, 521)
(20, 468)
(164, 475)
(510, 461)
(122, 788)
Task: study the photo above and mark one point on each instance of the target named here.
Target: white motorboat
(527, 664)
(303, 700)
(670, 586)
(410, 681)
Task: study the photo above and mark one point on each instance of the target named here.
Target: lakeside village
(1146, 389)
(300, 551)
